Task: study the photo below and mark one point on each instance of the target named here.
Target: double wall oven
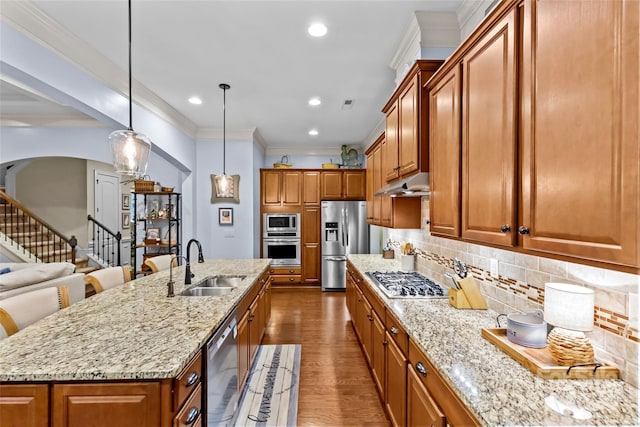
(281, 239)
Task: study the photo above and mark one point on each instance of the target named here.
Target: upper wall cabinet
(281, 188)
(405, 150)
(580, 110)
(347, 184)
(549, 88)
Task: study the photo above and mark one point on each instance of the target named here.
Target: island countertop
(132, 331)
(495, 387)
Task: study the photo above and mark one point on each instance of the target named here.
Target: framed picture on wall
(225, 216)
(126, 220)
(126, 201)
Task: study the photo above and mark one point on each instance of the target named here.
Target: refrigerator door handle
(338, 259)
(342, 224)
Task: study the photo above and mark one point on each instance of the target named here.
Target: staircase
(28, 238)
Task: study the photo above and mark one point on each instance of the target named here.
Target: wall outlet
(493, 267)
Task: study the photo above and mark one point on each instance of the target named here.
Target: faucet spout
(188, 275)
(170, 285)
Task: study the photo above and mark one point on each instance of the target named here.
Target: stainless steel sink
(220, 282)
(198, 291)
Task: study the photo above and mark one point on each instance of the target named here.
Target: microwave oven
(281, 225)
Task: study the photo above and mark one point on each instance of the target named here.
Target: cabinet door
(291, 188)
(390, 160)
(113, 404)
(311, 187)
(369, 188)
(311, 245)
(444, 146)
(377, 183)
(408, 140)
(422, 410)
(396, 382)
(255, 334)
(331, 185)
(271, 184)
(24, 405)
(354, 185)
(580, 129)
(378, 347)
(489, 136)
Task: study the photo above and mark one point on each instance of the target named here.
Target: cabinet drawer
(455, 411)
(285, 279)
(285, 271)
(190, 413)
(397, 332)
(187, 381)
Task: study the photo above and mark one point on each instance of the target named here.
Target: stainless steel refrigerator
(344, 231)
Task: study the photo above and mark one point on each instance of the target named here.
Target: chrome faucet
(188, 275)
(171, 282)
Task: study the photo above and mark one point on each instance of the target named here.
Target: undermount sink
(198, 291)
(220, 282)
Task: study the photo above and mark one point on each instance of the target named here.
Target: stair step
(87, 270)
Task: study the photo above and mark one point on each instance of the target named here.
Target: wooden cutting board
(539, 361)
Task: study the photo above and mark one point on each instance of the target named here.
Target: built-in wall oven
(281, 239)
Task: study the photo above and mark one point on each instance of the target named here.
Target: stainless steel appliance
(400, 284)
(281, 225)
(281, 239)
(344, 231)
(222, 374)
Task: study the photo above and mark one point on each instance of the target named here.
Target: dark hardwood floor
(336, 388)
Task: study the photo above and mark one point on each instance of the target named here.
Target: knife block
(467, 297)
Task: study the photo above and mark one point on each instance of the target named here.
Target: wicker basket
(143, 185)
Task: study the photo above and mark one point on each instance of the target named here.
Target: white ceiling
(261, 48)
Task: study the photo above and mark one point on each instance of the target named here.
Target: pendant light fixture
(130, 149)
(224, 183)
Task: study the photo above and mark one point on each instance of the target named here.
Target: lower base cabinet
(396, 381)
(25, 405)
(421, 408)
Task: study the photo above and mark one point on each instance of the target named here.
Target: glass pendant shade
(224, 185)
(130, 152)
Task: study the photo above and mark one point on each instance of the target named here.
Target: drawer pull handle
(421, 369)
(394, 330)
(192, 415)
(291, 279)
(505, 228)
(291, 271)
(192, 379)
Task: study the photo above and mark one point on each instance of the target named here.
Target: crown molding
(233, 135)
(372, 137)
(438, 29)
(50, 121)
(467, 10)
(259, 140)
(407, 51)
(27, 18)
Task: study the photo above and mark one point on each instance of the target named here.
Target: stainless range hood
(411, 186)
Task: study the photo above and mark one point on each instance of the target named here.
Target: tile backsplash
(514, 282)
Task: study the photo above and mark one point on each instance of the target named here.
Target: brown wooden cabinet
(405, 150)
(311, 245)
(489, 135)
(286, 275)
(349, 184)
(396, 383)
(77, 405)
(24, 405)
(565, 98)
(281, 188)
(378, 353)
(387, 211)
(243, 347)
(422, 410)
(311, 188)
(580, 131)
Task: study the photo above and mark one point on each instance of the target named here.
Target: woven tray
(143, 186)
(539, 361)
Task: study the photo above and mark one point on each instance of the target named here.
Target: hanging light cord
(130, 99)
(224, 88)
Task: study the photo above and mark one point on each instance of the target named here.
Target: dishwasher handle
(219, 338)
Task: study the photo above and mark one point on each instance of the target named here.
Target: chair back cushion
(22, 310)
(35, 273)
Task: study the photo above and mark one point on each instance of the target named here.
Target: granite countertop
(132, 331)
(496, 388)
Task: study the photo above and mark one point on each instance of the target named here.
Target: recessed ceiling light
(317, 29)
(195, 100)
(315, 101)
(313, 132)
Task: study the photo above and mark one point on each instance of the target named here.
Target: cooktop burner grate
(399, 284)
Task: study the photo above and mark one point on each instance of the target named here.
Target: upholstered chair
(19, 311)
(161, 262)
(108, 278)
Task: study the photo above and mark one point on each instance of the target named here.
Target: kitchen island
(133, 332)
(495, 388)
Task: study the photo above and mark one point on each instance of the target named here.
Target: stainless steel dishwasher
(222, 374)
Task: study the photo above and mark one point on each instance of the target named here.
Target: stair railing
(32, 236)
(106, 243)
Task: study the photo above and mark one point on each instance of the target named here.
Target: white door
(107, 212)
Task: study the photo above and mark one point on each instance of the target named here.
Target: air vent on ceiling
(347, 104)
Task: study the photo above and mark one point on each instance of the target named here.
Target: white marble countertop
(496, 388)
(132, 331)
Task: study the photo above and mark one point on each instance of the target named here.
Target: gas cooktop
(399, 284)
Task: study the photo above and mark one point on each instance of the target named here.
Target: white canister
(407, 262)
